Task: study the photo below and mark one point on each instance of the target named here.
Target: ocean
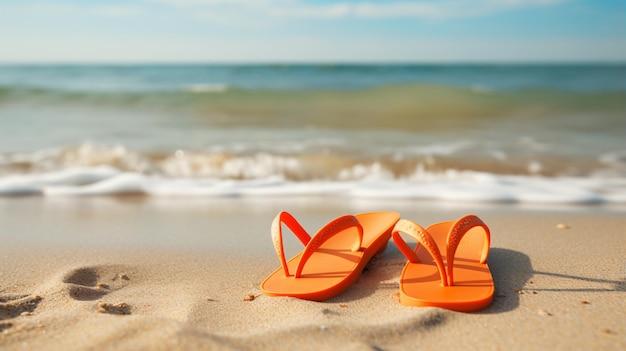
(537, 134)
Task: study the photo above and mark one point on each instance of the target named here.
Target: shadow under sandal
(456, 279)
(332, 259)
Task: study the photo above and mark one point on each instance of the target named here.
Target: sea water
(469, 133)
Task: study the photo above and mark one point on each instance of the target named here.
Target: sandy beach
(146, 147)
(183, 274)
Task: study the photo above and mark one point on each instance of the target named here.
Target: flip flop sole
(334, 267)
(473, 287)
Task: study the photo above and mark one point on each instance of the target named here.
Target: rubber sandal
(332, 259)
(458, 278)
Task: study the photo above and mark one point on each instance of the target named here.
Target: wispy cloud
(286, 31)
(70, 9)
(437, 10)
(116, 10)
(296, 9)
(248, 12)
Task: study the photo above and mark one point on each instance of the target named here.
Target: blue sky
(313, 31)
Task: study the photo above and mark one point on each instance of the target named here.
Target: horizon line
(312, 62)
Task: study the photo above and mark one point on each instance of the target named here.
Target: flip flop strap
(277, 236)
(423, 238)
(334, 227)
(456, 233)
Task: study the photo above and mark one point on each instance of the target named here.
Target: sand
(184, 274)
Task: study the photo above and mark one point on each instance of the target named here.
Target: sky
(210, 31)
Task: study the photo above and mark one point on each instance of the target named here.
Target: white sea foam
(445, 149)
(90, 170)
(615, 159)
(36, 183)
(447, 186)
(207, 88)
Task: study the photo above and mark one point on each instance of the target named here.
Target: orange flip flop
(332, 259)
(456, 279)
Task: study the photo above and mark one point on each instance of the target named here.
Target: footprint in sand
(12, 306)
(93, 283)
(114, 308)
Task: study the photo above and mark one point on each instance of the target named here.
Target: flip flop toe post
(332, 259)
(448, 267)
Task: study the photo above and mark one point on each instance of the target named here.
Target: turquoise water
(142, 78)
(284, 127)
